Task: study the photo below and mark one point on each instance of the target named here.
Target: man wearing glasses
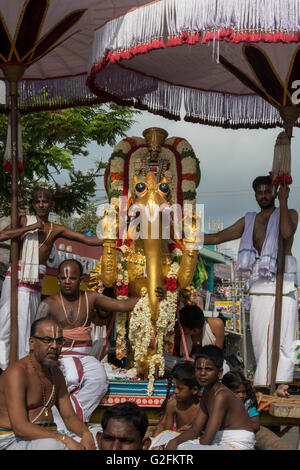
(28, 390)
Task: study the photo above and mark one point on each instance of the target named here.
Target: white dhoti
(86, 381)
(237, 439)
(262, 304)
(9, 441)
(29, 297)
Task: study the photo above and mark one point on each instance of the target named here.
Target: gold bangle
(62, 437)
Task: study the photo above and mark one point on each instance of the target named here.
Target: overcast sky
(229, 161)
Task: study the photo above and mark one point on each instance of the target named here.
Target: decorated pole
(289, 115)
(13, 73)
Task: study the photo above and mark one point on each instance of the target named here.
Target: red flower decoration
(171, 284)
(283, 178)
(123, 290)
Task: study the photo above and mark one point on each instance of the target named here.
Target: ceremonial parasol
(228, 63)
(44, 49)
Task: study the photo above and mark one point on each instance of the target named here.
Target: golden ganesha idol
(148, 181)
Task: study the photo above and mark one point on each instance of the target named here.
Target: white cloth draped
(10, 441)
(29, 297)
(262, 305)
(236, 439)
(30, 254)
(86, 381)
(247, 254)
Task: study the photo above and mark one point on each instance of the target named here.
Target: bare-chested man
(258, 254)
(73, 309)
(37, 236)
(28, 390)
(222, 421)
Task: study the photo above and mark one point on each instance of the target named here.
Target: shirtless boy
(222, 419)
(180, 411)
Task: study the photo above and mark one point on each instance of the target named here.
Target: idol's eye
(140, 187)
(164, 188)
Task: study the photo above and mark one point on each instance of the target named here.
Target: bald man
(29, 388)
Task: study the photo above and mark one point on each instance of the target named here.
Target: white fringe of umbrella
(173, 22)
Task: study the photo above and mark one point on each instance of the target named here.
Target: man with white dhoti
(37, 236)
(258, 255)
(73, 309)
(28, 390)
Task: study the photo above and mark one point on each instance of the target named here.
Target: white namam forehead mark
(55, 335)
(202, 363)
(42, 194)
(67, 272)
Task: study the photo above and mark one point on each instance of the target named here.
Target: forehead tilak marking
(67, 272)
(55, 335)
(43, 194)
(203, 362)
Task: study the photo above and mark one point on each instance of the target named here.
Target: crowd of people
(48, 396)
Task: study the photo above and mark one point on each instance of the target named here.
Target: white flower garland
(140, 329)
(121, 318)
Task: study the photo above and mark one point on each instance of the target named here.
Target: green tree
(51, 140)
(88, 221)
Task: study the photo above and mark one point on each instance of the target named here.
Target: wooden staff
(277, 312)
(289, 116)
(13, 73)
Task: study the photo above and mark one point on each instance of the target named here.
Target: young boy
(222, 416)
(180, 410)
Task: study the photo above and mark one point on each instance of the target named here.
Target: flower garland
(121, 318)
(140, 327)
(165, 326)
(187, 179)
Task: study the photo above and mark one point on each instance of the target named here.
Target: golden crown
(155, 137)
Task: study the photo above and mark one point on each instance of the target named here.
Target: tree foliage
(51, 140)
(87, 222)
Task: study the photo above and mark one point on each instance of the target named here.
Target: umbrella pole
(289, 116)
(13, 74)
(277, 313)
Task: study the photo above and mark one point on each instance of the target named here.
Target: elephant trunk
(152, 248)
